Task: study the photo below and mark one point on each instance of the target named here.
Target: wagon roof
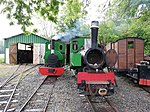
(129, 38)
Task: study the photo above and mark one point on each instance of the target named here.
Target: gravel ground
(27, 87)
(12, 83)
(40, 99)
(6, 71)
(66, 98)
(127, 98)
(130, 98)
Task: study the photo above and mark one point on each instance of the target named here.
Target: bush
(1, 58)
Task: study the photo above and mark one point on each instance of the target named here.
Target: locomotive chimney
(52, 46)
(94, 33)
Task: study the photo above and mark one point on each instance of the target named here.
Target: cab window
(74, 45)
(61, 47)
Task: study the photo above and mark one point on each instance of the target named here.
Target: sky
(94, 11)
(7, 31)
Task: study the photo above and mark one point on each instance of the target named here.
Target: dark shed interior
(24, 53)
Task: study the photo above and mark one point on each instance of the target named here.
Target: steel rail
(21, 109)
(7, 105)
(51, 92)
(10, 76)
(92, 107)
(18, 82)
(148, 91)
(109, 103)
(50, 95)
(9, 79)
(9, 100)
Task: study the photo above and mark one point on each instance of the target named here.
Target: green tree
(21, 12)
(70, 13)
(127, 18)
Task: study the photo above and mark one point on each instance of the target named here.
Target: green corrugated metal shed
(23, 38)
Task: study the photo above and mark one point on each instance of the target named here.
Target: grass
(1, 58)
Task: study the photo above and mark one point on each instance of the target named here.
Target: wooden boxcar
(130, 51)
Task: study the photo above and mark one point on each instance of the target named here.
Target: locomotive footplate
(88, 76)
(48, 71)
(101, 84)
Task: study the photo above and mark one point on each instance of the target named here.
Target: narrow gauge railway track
(14, 71)
(11, 76)
(8, 90)
(144, 88)
(38, 102)
(147, 89)
(15, 74)
(102, 106)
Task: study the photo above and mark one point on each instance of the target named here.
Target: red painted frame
(57, 71)
(87, 76)
(145, 82)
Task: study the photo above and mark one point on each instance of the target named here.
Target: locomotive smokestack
(94, 33)
(52, 46)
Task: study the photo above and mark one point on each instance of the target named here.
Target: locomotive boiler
(92, 65)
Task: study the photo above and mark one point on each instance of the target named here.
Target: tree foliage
(23, 10)
(70, 13)
(127, 18)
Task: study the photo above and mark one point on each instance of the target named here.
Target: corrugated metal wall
(23, 38)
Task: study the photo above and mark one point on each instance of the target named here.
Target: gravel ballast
(66, 97)
(129, 97)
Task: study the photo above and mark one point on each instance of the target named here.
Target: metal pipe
(94, 33)
(52, 46)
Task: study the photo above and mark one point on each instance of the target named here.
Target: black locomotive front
(93, 79)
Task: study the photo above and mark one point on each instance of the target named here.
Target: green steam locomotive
(54, 58)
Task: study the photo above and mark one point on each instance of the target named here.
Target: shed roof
(24, 38)
(23, 35)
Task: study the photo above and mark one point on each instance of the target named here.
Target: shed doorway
(24, 53)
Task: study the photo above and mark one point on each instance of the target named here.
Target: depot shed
(24, 48)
